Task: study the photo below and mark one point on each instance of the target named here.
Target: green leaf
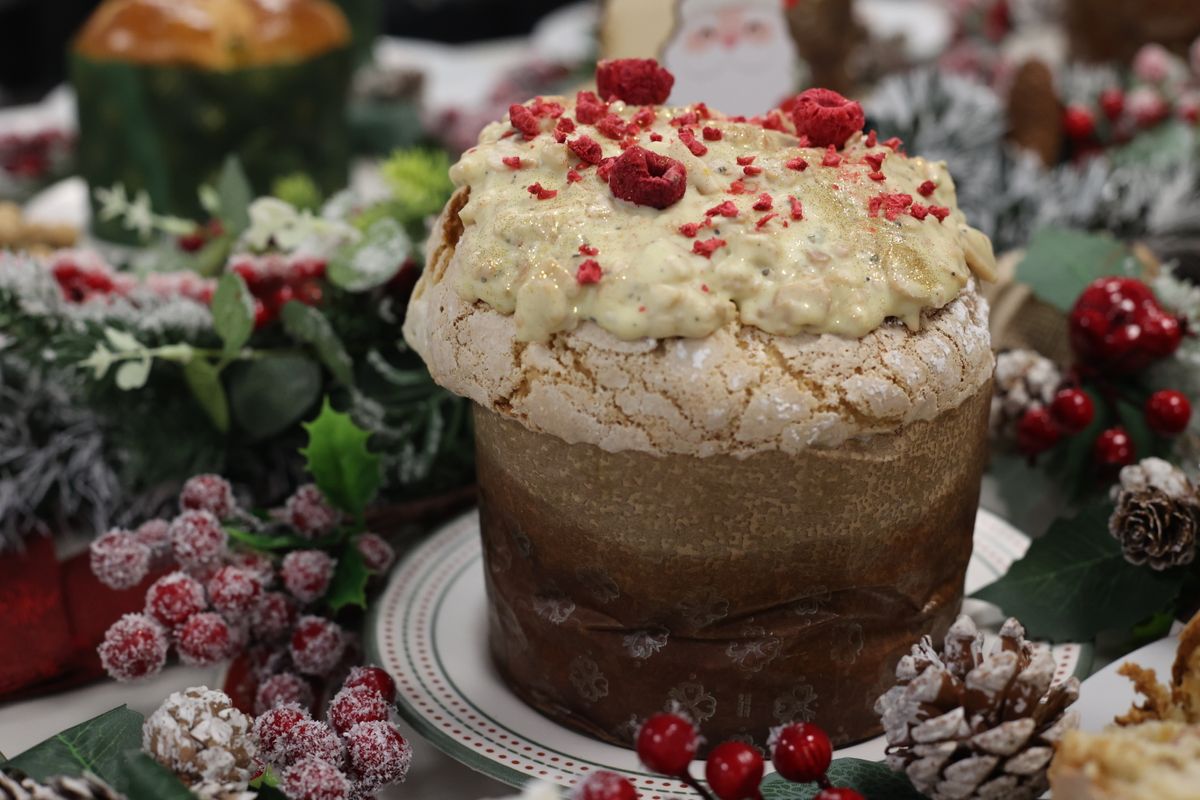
(349, 584)
(345, 470)
(233, 312)
(874, 781)
(235, 196)
(146, 779)
(1059, 263)
(1172, 142)
(122, 341)
(133, 374)
(306, 324)
(97, 745)
(282, 541)
(269, 395)
(204, 380)
(373, 260)
(1074, 583)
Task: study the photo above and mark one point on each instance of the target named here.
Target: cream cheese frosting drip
(782, 237)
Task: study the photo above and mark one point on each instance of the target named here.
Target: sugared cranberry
(378, 754)
(317, 645)
(272, 728)
(234, 591)
(377, 554)
(1113, 449)
(134, 647)
(375, 678)
(119, 560)
(210, 493)
(1168, 412)
(356, 704)
(801, 752)
(174, 598)
(667, 743)
(197, 540)
(310, 737)
(204, 639)
(734, 771)
(284, 688)
(605, 786)
(315, 779)
(1037, 431)
(307, 573)
(257, 564)
(155, 534)
(309, 513)
(1073, 410)
(1112, 102)
(273, 617)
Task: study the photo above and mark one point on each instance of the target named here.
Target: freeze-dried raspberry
(272, 728)
(573, 176)
(611, 126)
(258, 564)
(317, 645)
(542, 107)
(725, 209)
(310, 737)
(690, 229)
(541, 192)
(588, 272)
(174, 598)
(655, 136)
(375, 678)
(204, 639)
(208, 493)
(797, 208)
(831, 158)
(587, 148)
(309, 513)
(941, 212)
(512, 162)
(927, 188)
(892, 205)
(315, 779)
(589, 108)
(708, 246)
(119, 560)
(377, 554)
(894, 143)
(283, 689)
(134, 647)
(379, 755)
(647, 178)
(588, 250)
(919, 211)
(764, 219)
(697, 147)
(711, 134)
(875, 160)
(234, 591)
(524, 120)
(155, 534)
(877, 176)
(644, 117)
(637, 81)
(273, 617)
(764, 203)
(564, 126)
(826, 118)
(197, 540)
(356, 704)
(307, 573)
(738, 187)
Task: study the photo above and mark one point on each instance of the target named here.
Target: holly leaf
(373, 260)
(1074, 583)
(234, 196)
(306, 324)
(349, 584)
(205, 382)
(874, 781)
(233, 312)
(96, 746)
(270, 395)
(1059, 263)
(143, 778)
(345, 470)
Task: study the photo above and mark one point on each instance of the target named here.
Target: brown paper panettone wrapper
(748, 592)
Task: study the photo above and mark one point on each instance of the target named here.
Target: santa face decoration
(736, 55)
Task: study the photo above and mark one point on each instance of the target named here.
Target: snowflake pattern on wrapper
(588, 680)
(690, 699)
(756, 651)
(798, 705)
(643, 644)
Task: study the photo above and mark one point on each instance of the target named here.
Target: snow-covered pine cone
(963, 724)
(1157, 517)
(1024, 379)
(84, 787)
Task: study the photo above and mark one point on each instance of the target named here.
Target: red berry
(134, 647)
(605, 786)
(667, 743)
(272, 729)
(1073, 410)
(826, 118)
(1112, 102)
(119, 560)
(647, 178)
(375, 678)
(317, 645)
(208, 493)
(155, 534)
(1113, 448)
(836, 793)
(205, 639)
(1037, 431)
(174, 598)
(1168, 412)
(309, 513)
(356, 704)
(315, 779)
(310, 293)
(637, 81)
(197, 540)
(801, 752)
(734, 771)
(1161, 334)
(307, 573)
(1078, 123)
(274, 616)
(1118, 327)
(310, 737)
(283, 689)
(257, 564)
(377, 554)
(379, 755)
(234, 591)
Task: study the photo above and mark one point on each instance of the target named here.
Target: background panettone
(1115, 29)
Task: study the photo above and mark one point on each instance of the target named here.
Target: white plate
(1106, 694)
(429, 629)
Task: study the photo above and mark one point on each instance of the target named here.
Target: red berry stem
(695, 786)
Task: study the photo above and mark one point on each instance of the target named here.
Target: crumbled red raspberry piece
(173, 598)
(797, 163)
(875, 160)
(764, 203)
(655, 136)
(272, 728)
(892, 205)
(197, 540)
(690, 229)
(587, 148)
(315, 779)
(375, 678)
(625, 144)
(307, 573)
(512, 162)
(893, 143)
(524, 120)
(697, 147)
(310, 737)
(711, 134)
(644, 177)
(356, 704)
(877, 176)
(541, 192)
(233, 591)
(927, 188)
(378, 754)
(764, 219)
(706, 247)
(119, 560)
(826, 118)
(611, 126)
(589, 108)
(644, 117)
(204, 639)
(284, 688)
(738, 187)
(588, 272)
(941, 212)
(704, 288)
(588, 250)
(134, 647)
(208, 493)
(155, 534)
(744, 160)
(309, 513)
(637, 81)
(725, 209)
(560, 136)
(546, 108)
(565, 125)
(573, 176)
(752, 170)
(872, 138)
(919, 210)
(686, 120)
(797, 207)
(273, 617)
(605, 168)
(831, 157)
(317, 645)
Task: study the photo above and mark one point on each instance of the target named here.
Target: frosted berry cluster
(354, 753)
(276, 279)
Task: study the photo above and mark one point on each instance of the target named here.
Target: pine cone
(85, 787)
(962, 724)
(1024, 379)
(1155, 528)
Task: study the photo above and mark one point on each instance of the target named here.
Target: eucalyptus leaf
(97, 745)
(133, 374)
(308, 325)
(234, 195)
(373, 260)
(1059, 263)
(204, 380)
(349, 584)
(874, 781)
(122, 341)
(269, 395)
(233, 312)
(345, 470)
